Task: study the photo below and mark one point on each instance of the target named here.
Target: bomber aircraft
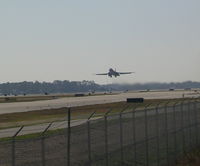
(114, 73)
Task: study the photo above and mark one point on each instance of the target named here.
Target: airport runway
(10, 132)
(89, 100)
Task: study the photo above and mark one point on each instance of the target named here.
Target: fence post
(13, 146)
(146, 134)
(68, 136)
(182, 127)
(166, 131)
(43, 144)
(121, 135)
(134, 135)
(106, 135)
(175, 130)
(196, 122)
(190, 125)
(89, 141)
(157, 134)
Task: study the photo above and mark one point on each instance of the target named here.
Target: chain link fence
(152, 135)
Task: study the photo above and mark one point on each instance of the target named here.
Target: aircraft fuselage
(113, 73)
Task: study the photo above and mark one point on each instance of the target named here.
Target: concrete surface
(89, 100)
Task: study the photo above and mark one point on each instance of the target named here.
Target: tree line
(156, 86)
(56, 86)
(66, 86)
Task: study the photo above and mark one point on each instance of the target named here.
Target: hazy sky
(48, 40)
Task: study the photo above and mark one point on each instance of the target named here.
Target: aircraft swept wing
(102, 74)
(126, 72)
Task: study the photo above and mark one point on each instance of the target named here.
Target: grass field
(11, 99)
(190, 159)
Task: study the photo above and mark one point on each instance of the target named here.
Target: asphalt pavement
(89, 100)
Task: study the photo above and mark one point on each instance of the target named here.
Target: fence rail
(153, 135)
